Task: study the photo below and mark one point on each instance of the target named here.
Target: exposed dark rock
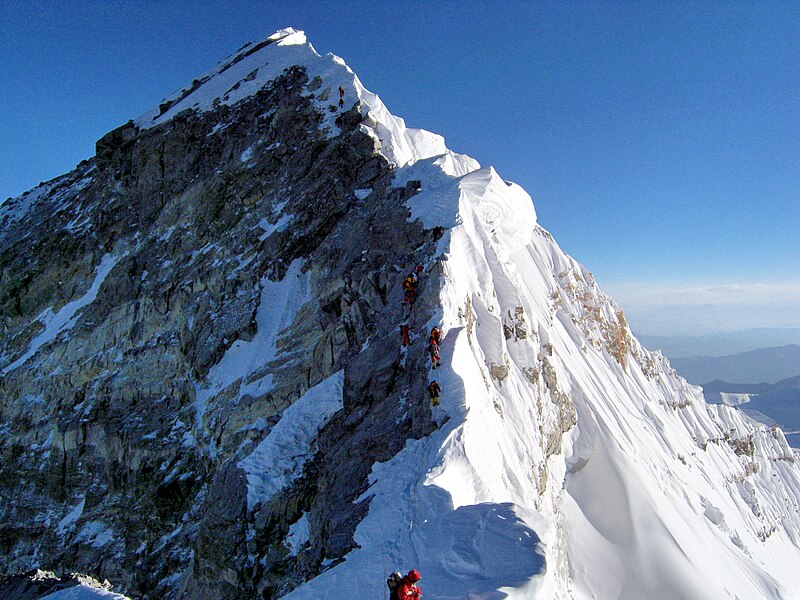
(109, 464)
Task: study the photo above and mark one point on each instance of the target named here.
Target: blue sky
(659, 141)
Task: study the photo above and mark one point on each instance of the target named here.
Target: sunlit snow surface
(256, 65)
(84, 592)
(643, 498)
(633, 506)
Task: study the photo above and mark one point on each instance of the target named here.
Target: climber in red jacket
(405, 331)
(433, 350)
(408, 590)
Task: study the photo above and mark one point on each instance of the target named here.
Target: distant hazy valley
(718, 344)
(764, 383)
(769, 365)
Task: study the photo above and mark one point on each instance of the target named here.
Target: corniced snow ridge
(256, 65)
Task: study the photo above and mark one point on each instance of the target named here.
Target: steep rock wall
(119, 453)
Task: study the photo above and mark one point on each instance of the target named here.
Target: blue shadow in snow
(471, 551)
(474, 550)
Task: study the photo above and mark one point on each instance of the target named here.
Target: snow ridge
(568, 462)
(256, 65)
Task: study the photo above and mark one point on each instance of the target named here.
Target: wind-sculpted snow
(465, 544)
(505, 209)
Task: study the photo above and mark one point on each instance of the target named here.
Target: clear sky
(660, 141)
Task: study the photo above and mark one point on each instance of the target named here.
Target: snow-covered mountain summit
(257, 64)
(204, 392)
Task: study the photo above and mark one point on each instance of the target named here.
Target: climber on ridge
(410, 288)
(436, 334)
(341, 96)
(407, 589)
(433, 350)
(405, 331)
(433, 391)
(410, 285)
(393, 582)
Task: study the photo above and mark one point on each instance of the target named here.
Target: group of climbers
(404, 588)
(433, 349)
(433, 343)
(410, 285)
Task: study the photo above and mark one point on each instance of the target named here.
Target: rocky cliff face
(126, 281)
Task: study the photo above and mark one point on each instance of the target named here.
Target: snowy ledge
(278, 460)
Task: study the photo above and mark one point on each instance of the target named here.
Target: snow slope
(255, 65)
(649, 492)
(279, 458)
(84, 592)
(647, 496)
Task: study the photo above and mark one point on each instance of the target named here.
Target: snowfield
(84, 592)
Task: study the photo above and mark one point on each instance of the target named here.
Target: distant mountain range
(771, 404)
(765, 365)
(773, 400)
(719, 344)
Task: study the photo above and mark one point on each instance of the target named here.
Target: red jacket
(408, 590)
